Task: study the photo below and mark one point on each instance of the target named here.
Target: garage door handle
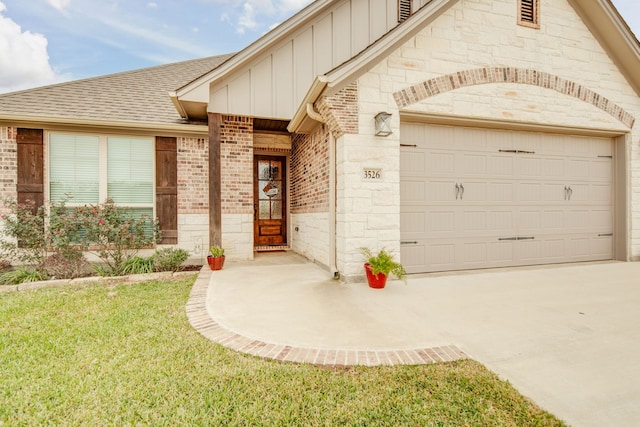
(457, 190)
(526, 238)
(408, 243)
(461, 191)
(568, 192)
(507, 238)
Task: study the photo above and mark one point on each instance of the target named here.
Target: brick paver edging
(201, 320)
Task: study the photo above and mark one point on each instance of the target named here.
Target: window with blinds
(528, 13)
(74, 169)
(88, 169)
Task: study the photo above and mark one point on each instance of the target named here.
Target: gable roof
(601, 16)
(136, 97)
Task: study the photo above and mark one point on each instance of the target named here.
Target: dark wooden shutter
(404, 10)
(30, 167)
(167, 188)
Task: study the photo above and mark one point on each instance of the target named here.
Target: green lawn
(128, 356)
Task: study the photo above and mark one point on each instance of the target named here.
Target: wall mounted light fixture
(383, 124)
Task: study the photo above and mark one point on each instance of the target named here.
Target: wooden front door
(270, 202)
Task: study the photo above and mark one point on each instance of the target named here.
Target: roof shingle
(132, 96)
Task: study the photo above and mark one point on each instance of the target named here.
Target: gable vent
(528, 13)
(404, 10)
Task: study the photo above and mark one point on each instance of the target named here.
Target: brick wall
(236, 155)
(310, 172)
(193, 175)
(340, 111)
(8, 164)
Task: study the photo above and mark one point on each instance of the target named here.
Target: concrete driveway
(566, 336)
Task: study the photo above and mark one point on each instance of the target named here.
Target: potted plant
(378, 266)
(216, 257)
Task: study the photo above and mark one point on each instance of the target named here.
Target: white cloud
(24, 61)
(247, 20)
(61, 5)
(152, 5)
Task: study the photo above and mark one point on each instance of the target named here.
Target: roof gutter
(176, 103)
(45, 121)
(305, 109)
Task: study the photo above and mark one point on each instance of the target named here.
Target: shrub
(23, 230)
(138, 265)
(22, 275)
(114, 234)
(70, 265)
(169, 259)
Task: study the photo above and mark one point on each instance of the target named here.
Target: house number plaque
(372, 174)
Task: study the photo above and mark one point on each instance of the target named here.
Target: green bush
(32, 235)
(22, 275)
(138, 265)
(169, 259)
(114, 234)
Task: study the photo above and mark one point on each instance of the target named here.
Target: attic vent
(528, 13)
(404, 10)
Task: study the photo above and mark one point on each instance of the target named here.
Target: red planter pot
(215, 263)
(376, 281)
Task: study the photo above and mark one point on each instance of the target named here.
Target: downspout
(335, 274)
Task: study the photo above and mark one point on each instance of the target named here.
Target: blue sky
(49, 41)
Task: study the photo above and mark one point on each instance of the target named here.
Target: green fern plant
(384, 263)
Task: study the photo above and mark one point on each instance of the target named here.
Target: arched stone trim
(478, 76)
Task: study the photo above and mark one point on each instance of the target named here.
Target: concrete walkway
(567, 336)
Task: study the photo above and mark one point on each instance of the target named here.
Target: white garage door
(478, 198)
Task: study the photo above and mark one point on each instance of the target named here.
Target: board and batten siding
(274, 84)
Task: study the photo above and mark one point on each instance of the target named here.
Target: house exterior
(513, 137)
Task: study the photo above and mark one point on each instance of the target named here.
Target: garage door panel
(550, 201)
(529, 167)
(441, 191)
(553, 168)
(530, 192)
(500, 166)
(578, 169)
(413, 162)
(442, 222)
(553, 220)
(413, 224)
(412, 192)
(470, 139)
(500, 221)
(441, 163)
(601, 170)
(600, 193)
(500, 192)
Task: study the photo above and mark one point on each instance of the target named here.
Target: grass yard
(127, 355)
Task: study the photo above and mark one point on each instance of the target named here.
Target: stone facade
(459, 66)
